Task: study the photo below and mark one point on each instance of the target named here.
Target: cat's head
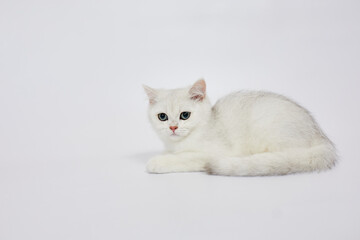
(176, 113)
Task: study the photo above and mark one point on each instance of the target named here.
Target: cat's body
(243, 134)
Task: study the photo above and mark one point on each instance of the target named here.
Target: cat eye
(185, 115)
(162, 117)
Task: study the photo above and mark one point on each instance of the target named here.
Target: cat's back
(240, 109)
(262, 116)
(250, 101)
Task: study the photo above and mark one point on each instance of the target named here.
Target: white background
(74, 135)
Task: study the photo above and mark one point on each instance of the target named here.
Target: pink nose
(173, 128)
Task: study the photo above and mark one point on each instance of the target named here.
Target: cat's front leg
(180, 162)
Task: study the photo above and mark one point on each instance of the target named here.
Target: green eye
(185, 115)
(162, 117)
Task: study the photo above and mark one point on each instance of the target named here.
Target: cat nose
(173, 128)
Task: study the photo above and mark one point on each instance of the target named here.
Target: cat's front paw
(159, 164)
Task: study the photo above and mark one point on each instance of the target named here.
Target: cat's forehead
(174, 100)
(176, 93)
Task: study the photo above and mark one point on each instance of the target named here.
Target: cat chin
(175, 137)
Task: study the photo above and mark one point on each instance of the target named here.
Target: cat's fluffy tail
(316, 158)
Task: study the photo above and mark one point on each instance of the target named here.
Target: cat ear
(152, 94)
(198, 90)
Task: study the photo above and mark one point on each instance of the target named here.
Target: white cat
(244, 134)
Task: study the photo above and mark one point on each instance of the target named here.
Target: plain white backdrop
(74, 135)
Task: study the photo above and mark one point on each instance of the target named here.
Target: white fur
(243, 134)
